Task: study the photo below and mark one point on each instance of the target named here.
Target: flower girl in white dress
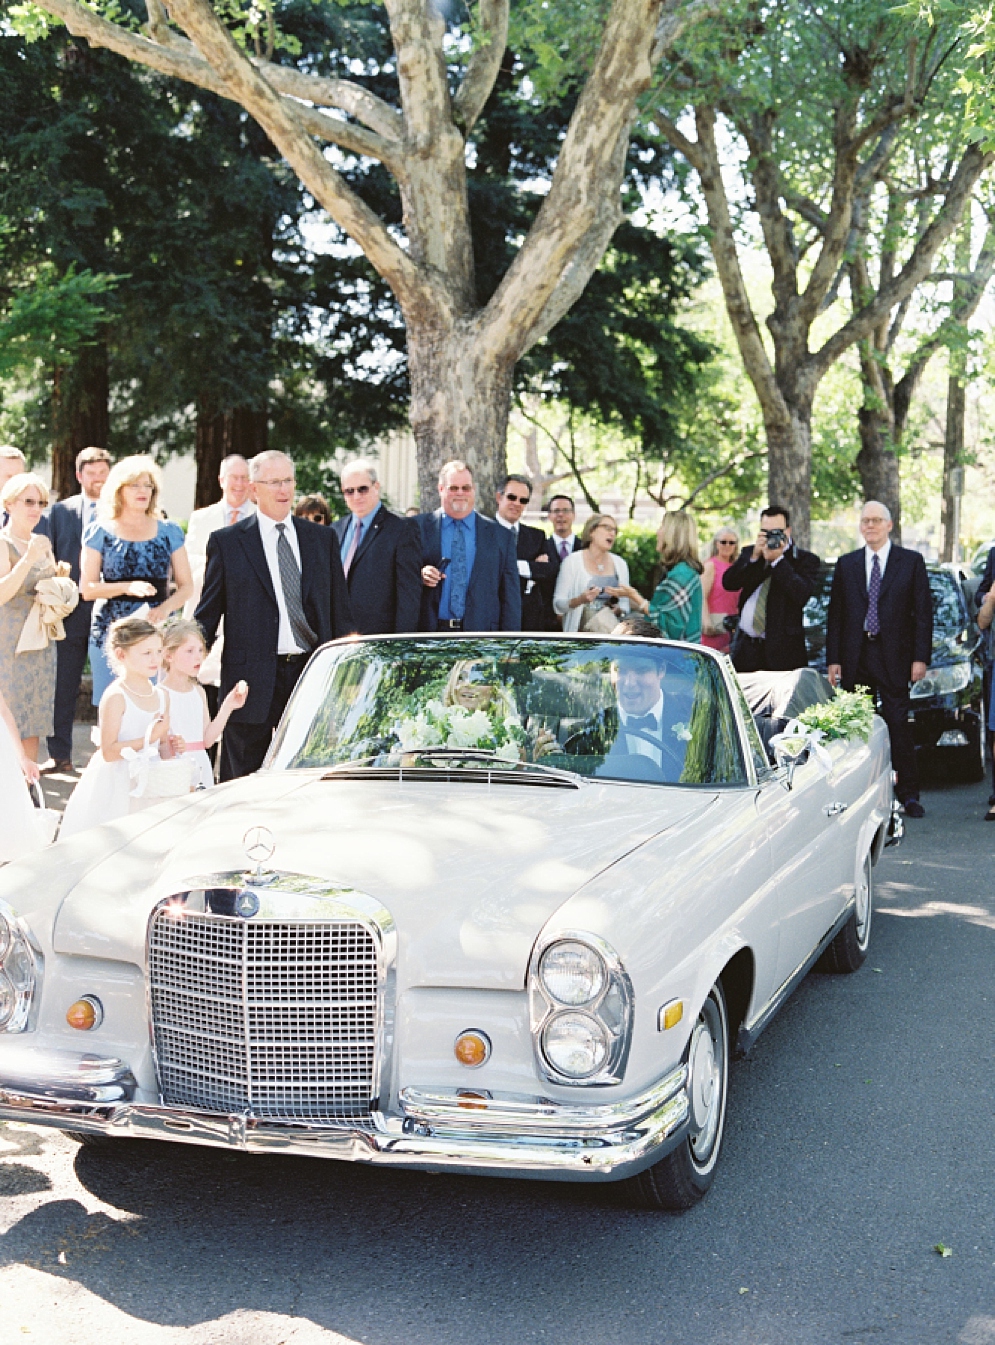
(131, 711)
(192, 730)
(21, 832)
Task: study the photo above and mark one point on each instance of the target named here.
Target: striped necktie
(290, 581)
(873, 623)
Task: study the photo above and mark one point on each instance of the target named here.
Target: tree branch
(674, 21)
(915, 270)
(179, 58)
(280, 120)
(583, 195)
(484, 65)
(689, 148)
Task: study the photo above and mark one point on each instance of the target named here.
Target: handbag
(153, 776)
(48, 819)
(598, 619)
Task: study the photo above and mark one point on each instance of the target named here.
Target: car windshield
(619, 710)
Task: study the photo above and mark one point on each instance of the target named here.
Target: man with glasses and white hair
(880, 635)
(381, 556)
(277, 582)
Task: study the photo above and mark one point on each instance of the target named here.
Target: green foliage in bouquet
(849, 714)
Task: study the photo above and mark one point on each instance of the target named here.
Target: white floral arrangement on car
(438, 725)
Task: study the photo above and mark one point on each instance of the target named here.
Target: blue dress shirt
(469, 526)
(350, 531)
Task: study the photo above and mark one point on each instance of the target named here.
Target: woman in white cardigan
(586, 573)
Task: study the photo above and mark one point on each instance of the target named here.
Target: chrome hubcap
(862, 907)
(706, 1083)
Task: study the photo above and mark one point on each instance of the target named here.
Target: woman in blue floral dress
(127, 558)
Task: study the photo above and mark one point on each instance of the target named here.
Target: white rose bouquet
(436, 725)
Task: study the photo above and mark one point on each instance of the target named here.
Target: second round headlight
(575, 1044)
(572, 973)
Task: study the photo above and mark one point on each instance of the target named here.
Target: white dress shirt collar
(512, 527)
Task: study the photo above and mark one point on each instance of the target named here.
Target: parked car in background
(947, 703)
(494, 904)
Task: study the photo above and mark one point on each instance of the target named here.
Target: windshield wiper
(481, 754)
(455, 754)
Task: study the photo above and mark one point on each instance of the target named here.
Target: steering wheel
(665, 749)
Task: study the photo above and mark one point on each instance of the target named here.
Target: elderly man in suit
(68, 522)
(469, 566)
(277, 581)
(879, 634)
(381, 556)
(775, 580)
(537, 574)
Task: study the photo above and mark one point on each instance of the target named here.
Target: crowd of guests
(199, 637)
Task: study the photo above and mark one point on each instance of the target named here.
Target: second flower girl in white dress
(134, 715)
(192, 730)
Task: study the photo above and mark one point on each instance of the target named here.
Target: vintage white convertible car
(495, 904)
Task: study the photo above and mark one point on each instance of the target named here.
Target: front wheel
(681, 1179)
(848, 950)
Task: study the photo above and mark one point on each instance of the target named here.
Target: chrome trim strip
(513, 1137)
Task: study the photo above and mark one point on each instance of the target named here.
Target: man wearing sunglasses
(469, 569)
(537, 574)
(381, 556)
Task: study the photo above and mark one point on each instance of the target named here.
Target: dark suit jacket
(531, 545)
(905, 610)
(65, 528)
(238, 587)
(493, 595)
(987, 579)
(554, 622)
(792, 583)
(604, 737)
(384, 579)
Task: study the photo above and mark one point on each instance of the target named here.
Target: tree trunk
(460, 402)
(242, 429)
(953, 456)
(877, 461)
(80, 414)
(789, 468)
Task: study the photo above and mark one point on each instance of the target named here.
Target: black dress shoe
(913, 808)
(58, 768)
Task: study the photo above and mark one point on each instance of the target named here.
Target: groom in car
(639, 737)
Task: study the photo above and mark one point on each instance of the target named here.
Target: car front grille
(270, 1019)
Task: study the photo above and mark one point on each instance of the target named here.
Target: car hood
(470, 873)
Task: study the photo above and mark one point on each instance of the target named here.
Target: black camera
(731, 623)
(776, 537)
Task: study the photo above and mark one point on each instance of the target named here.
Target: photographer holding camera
(775, 581)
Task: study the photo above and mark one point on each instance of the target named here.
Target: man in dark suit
(537, 574)
(980, 593)
(469, 567)
(561, 513)
(879, 634)
(640, 736)
(775, 580)
(277, 581)
(68, 521)
(381, 556)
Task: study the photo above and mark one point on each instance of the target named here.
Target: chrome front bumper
(445, 1130)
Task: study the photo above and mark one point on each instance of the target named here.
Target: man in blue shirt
(469, 566)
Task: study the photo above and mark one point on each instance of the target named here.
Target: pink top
(721, 602)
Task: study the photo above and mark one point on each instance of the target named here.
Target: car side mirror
(789, 753)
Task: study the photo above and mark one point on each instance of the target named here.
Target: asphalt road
(860, 1136)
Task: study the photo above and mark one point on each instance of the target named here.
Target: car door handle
(835, 809)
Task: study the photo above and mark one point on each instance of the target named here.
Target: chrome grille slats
(276, 1019)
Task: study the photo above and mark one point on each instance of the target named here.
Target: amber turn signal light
(86, 1014)
(670, 1015)
(472, 1048)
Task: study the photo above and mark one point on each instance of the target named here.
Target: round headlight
(572, 973)
(20, 968)
(8, 1000)
(575, 1044)
(5, 936)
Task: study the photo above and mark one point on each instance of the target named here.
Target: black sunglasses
(518, 499)
(356, 490)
